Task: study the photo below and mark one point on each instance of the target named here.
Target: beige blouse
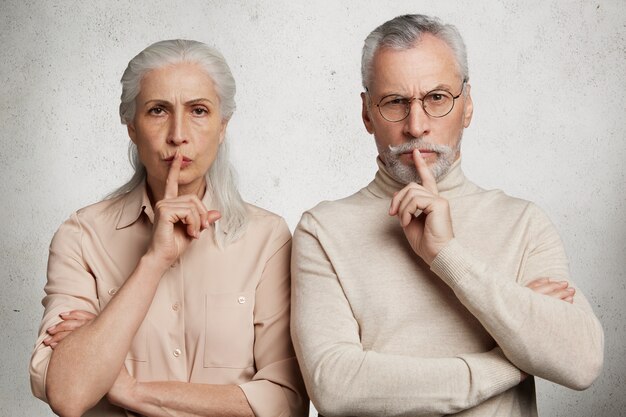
(219, 316)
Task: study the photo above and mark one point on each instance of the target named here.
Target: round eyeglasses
(436, 103)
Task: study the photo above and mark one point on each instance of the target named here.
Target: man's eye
(436, 97)
(393, 102)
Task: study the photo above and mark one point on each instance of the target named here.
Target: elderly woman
(152, 305)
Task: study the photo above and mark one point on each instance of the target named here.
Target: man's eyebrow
(444, 87)
(438, 87)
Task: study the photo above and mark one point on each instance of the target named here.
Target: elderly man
(424, 294)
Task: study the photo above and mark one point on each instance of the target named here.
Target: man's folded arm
(343, 378)
(542, 335)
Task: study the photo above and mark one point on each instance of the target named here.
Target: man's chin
(404, 173)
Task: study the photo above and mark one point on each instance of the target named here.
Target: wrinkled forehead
(430, 63)
(178, 79)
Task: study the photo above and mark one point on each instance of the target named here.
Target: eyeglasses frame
(412, 99)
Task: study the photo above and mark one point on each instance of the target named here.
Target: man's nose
(178, 132)
(417, 123)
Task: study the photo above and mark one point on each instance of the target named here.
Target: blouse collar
(137, 201)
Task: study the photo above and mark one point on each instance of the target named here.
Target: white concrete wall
(548, 83)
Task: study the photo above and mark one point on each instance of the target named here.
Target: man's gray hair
(403, 32)
(221, 179)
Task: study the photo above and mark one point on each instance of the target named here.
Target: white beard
(446, 156)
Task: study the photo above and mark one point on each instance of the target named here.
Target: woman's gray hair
(221, 178)
(403, 32)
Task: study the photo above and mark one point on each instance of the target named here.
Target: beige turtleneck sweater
(379, 333)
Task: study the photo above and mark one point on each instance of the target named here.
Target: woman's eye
(200, 111)
(156, 111)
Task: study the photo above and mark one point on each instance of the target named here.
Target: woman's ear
(132, 134)
(223, 130)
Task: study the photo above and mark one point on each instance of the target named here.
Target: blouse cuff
(265, 398)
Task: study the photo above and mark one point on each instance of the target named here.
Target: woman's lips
(186, 161)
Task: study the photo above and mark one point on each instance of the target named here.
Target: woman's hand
(556, 289)
(177, 219)
(72, 320)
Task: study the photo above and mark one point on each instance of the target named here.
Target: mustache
(418, 143)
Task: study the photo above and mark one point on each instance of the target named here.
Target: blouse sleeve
(277, 388)
(70, 286)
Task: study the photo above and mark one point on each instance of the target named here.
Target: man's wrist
(436, 251)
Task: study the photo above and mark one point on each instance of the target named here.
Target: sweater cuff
(491, 373)
(453, 264)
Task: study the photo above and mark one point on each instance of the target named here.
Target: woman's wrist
(123, 393)
(154, 263)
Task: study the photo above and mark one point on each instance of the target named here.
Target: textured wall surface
(547, 80)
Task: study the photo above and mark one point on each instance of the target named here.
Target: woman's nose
(178, 133)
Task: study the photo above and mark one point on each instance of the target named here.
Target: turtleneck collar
(452, 184)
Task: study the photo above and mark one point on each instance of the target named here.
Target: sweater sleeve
(344, 379)
(543, 336)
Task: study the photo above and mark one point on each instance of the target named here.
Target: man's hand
(556, 289)
(423, 214)
(72, 320)
(177, 219)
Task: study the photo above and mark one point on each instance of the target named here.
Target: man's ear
(365, 114)
(469, 107)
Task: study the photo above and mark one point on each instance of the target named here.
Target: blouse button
(177, 353)
(175, 306)
(112, 291)
(241, 299)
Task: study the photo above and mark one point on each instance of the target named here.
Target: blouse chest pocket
(229, 330)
